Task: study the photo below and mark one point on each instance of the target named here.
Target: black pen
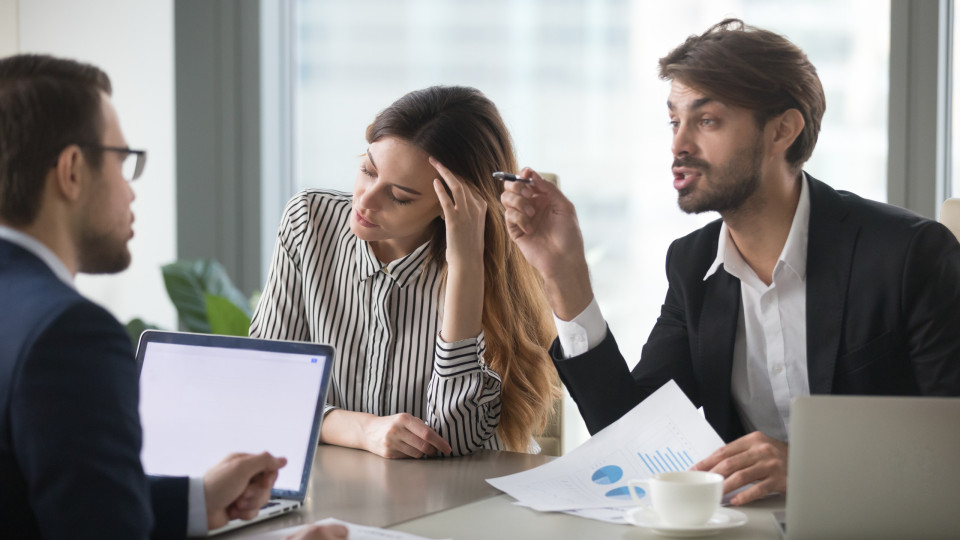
(507, 177)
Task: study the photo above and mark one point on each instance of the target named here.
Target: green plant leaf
(226, 318)
(188, 281)
(135, 328)
(185, 289)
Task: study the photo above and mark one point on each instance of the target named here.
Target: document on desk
(355, 532)
(663, 433)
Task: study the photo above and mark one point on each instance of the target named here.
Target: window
(953, 181)
(576, 82)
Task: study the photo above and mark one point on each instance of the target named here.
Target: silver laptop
(873, 467)
(203, 397)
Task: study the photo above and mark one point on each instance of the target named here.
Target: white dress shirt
(770, 349)
(196, 499)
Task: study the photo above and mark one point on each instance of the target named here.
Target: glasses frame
(140, 154)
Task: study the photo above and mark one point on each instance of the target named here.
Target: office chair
(551, 440)
(950, 216)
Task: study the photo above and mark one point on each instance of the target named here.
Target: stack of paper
(354, 532)
(663, 433)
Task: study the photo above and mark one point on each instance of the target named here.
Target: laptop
(873, 467)
(203, 397)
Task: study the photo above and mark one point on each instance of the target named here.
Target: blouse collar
(400, 271)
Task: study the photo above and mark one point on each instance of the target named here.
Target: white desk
(449, 498)
(498, 518)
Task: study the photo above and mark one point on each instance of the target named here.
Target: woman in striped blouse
(440, 325)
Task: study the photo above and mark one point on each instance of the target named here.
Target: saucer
(725, 518)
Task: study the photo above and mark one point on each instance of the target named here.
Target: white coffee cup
(682, 499)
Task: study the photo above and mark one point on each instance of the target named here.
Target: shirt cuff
(196, 509)
(462, 357)
(328, 408)
(583, 332)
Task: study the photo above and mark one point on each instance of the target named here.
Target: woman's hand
(464, 212)
(402, 436)
(399, 436)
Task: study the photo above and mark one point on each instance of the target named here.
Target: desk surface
(366, 489)
(498, 517)
(448, 498)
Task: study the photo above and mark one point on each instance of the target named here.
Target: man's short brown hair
(46, 104)
(755, 69)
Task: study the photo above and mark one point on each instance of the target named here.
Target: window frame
(918, 172)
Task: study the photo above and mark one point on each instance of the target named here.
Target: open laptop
(873, 467)
(203, 397)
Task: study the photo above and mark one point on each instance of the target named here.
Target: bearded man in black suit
(798, 289)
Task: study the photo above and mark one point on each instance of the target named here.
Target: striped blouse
(326, 285)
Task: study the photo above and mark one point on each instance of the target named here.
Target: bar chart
(666, 460)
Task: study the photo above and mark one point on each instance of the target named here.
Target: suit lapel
(829, 258)
(718, 331)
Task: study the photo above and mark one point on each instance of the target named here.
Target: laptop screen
(203, 397)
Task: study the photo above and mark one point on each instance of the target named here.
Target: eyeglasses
(131, 168)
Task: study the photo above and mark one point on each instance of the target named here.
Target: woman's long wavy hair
(462, 129)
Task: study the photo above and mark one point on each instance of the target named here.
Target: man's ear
(786, 128)
(70, 173)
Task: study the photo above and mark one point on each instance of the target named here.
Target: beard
(102, 254)
(103, 231)
(731, 184)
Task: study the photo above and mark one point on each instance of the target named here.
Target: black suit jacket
(69, 422)
(883, 317)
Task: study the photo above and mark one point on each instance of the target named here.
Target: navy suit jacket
(69, 422)
(883, 317)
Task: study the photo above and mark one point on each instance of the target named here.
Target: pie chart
(623, 493)
(608, 474)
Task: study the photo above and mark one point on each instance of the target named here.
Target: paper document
(663, 433)
(356, 532)
(610, 515)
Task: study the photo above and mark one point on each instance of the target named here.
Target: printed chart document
(663, 433)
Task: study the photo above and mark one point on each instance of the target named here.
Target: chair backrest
(950, 216)
(551, 440)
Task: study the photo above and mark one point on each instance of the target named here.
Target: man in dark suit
(799, 289)
(69, 425)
